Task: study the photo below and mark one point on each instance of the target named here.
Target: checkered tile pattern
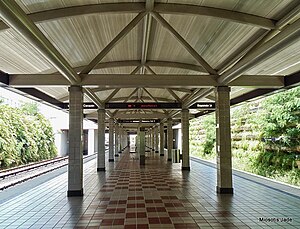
(141, 197)
(156, 195)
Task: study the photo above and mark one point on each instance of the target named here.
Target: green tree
(280, 120)
(25, 136)
(265, 136)
(30, 108)
(209, 124)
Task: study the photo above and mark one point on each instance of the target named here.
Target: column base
(100, 169)
(224, 190)
(162, 154)
(71, 193)
(186, 168)
(169, 159)
(111, 160)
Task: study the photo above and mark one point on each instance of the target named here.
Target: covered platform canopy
(149, 51)
(90, 54)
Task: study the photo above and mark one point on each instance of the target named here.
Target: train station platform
(157, 195)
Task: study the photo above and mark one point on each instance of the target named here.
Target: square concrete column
(137, 140)
(111, 140)
(153, 138)
(149, 138)
(124, 139)
(161, 139)
(121, 139)
(146, 139)
(156, 139)
(141, 137)
(75, 166)
(101, 140)
(116, 140)
(170, 139)
(185, 125)
(95, 140)
(223, 140)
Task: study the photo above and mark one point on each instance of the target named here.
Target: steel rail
(26, 168)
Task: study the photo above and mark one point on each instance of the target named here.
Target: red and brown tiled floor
(135, 197)
(157, 195)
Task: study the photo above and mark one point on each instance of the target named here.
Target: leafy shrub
(280, 119)
(210, 134)
(276, 121)
(25, 136)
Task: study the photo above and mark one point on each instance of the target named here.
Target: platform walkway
(158, 195)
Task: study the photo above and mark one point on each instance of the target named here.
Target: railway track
(13, 176)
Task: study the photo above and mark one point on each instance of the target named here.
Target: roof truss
(164, 8)
(158, 81)
(258, 48)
